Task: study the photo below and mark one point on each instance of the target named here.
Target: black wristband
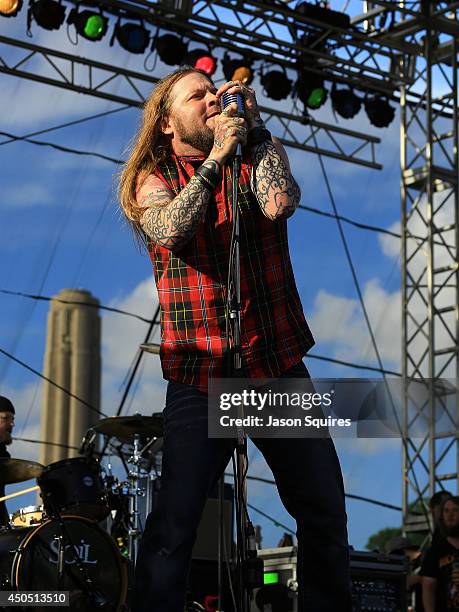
(209, 175)
(214, 177)
(204, 182)
(258, 135)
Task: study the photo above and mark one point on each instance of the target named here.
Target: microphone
(87, 444)
(237, 98)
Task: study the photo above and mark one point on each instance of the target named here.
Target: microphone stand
(248, 566)
(235, 371)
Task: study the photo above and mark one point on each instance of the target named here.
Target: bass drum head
(35, 564)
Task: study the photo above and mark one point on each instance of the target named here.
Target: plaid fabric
(192, 289)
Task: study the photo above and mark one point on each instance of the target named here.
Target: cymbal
(125, 427)
(17, 470)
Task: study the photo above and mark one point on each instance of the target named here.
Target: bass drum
(29, 562)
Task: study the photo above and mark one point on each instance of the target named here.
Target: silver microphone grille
(237, 98)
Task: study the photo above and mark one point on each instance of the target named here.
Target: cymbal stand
(135, 474)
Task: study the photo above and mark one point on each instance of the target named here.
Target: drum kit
(84, 537)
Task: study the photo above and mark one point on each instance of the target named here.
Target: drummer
(6, 429)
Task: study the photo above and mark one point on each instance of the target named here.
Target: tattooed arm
(277, 192)
(171, 221)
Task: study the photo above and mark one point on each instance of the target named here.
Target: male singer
(174, 191)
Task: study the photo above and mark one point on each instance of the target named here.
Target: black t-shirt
(4, 518)
(438, 563)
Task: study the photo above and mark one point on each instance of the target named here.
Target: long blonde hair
(149, 146)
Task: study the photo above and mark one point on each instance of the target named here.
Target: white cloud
(121, 337)
(49, 105)
(390, 245)
(27, 194)
(37, 103)
(338, 321)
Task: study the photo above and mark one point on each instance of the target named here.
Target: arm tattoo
(172, 225)
(277, 192)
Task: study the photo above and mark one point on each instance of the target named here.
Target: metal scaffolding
(429, 190)
(404, 50)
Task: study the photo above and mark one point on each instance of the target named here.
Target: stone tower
(72, 360)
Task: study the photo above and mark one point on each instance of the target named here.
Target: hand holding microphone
(240, 114)
(229, 134)
(248, 105)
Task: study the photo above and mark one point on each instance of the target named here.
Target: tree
(378, 540)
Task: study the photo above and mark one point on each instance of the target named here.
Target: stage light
(201, 60)
(171, 49)
(237, 70)
(345, 102)
(90, 25)
(10, 8)
(271, 578)
(324, 14)
(49, 14)
(276, 84)
(310, 90)
(131, 36)
(379, 111)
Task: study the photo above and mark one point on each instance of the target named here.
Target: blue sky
(61, 228)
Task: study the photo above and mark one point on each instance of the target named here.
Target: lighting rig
(133, 35)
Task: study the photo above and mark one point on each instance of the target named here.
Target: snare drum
(30, 515)
(74, 486)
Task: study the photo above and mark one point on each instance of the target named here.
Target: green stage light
(310, 90)
(10, 8)
(49, 14)
(271, 578)
(92, 26)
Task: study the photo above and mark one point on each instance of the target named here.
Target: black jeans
(308, 477)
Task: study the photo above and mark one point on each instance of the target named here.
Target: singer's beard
(199, 138)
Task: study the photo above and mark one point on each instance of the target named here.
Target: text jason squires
(258, 401)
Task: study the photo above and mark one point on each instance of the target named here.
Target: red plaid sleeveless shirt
(191, 286)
